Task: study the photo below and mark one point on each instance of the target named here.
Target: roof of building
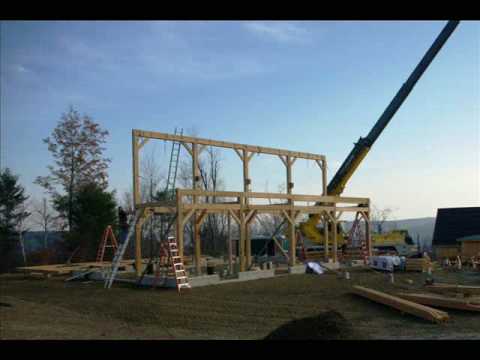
(470, 238)
(454, 223)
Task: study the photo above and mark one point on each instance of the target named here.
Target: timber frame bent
(244, 206)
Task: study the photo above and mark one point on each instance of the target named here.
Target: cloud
(20, 69)
(282, 32)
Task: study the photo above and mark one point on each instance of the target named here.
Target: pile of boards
(424, 305)
(420, 264)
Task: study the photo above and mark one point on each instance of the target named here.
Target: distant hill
(420, 228)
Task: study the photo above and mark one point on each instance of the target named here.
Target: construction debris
(403, 305)
(443, 301)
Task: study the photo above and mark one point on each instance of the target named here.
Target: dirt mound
(329, 325)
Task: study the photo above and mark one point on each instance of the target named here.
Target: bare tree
(214, 227)
(76, 146)
(45, 217)
(22, 227)
(378, 217)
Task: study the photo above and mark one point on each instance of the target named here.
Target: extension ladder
(108, 233)
(181, 277)
(173, 166)
(120, 252)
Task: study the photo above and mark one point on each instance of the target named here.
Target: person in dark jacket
(122, 224)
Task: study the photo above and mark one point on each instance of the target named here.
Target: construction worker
(122, 225)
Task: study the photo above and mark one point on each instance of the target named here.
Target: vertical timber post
(246, 236)
(368, 235)
(291, 223)
(136, 201)
(325, 236)
(324, 177)
(229, 244)
(179, 223)
(196, 226)
(334, 232)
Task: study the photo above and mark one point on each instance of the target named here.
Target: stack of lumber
(421, 264)
(403, 305)
(67, 269)
(443, 301)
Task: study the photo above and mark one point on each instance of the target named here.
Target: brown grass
(53, 309)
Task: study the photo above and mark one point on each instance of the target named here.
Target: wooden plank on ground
(442, 301)
(444, 288)
(403, 305)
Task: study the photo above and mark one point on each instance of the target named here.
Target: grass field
(53, 309)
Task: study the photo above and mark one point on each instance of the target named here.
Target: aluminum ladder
(173, 166)
(110, 276)
(181, 277)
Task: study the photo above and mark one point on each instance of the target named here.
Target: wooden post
(196, 226)
(334, 232)
(241, 245)
(324, 177)
(368, 235)
(138, 247)
(291, 222)
(136, 201)
(246, 234)
(179, 224)
(325, 236)
(229, 244)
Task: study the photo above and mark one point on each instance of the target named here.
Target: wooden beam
(295, 197)
(280, 247)
(238, 153)
(442, 301)
(187, 216)
(282, 157)
(143, 143)
(443, 288)
(187, 147)
(201, 217)
(403, 305)
(224, 144)
(251, 215)
(234, 216)
(338, 215)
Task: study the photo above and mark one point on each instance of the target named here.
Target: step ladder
(177, 266)
(112, 272)
(107, 234)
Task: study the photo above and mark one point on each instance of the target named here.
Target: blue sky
(307, 86)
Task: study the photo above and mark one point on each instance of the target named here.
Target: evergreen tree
(12, 214)
(93, 210)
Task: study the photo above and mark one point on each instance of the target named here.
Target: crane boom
(361, 148)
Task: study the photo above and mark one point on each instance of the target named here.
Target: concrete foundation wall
(253, 275)
(204, 280)
(297, 269)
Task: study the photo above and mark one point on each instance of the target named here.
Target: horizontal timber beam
(225, 144)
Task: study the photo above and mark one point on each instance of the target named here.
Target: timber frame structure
(189, 204)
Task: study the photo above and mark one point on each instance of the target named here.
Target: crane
(363, 145)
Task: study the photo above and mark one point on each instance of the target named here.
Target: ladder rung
(181, 277)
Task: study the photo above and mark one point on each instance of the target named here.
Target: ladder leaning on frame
(112, 272)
